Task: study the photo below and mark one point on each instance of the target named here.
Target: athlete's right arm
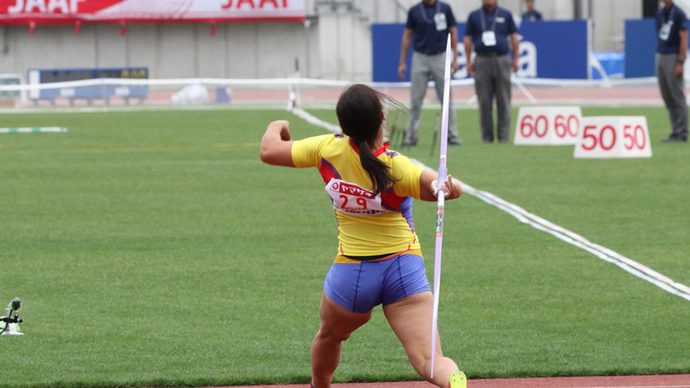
(429, 189)
(276, 144)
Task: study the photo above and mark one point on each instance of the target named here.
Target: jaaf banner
(127, 11)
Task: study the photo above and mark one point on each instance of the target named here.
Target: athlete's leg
(410, 319)
(337, 323)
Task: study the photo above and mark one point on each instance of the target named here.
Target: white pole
(442, 173)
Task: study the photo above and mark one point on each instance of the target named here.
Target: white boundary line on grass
(606, 254)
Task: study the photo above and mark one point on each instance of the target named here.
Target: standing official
(671, 52)
(489, 30)
(427, 28)
(531, 15)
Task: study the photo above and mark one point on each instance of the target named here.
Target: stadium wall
(334, 44)
(169, 50)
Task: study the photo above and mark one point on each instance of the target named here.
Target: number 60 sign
(548, 125)
(614, 137)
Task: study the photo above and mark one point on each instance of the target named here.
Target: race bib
(665, 30)
(440, 20)
(353, 199)
(489, 38)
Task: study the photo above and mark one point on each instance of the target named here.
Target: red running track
(650, 381)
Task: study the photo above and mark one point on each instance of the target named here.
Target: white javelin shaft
(442, 172)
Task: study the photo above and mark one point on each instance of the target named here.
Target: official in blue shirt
(428, 25)
(671, 52)
(531, 15)
(492, 32)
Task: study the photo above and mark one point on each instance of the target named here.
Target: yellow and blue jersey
(367, 226)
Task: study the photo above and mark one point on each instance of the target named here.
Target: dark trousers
(673, 91)
(492, 81)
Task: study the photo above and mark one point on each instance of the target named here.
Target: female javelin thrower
(379, 259)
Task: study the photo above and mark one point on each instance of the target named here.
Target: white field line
(606, 254)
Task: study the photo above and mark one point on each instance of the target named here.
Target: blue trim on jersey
(325, 162)
(406, 211)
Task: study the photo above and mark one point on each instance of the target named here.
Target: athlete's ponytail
(360, 114)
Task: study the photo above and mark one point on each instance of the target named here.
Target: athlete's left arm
(276, 144)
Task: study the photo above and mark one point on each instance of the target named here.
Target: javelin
(442, 172)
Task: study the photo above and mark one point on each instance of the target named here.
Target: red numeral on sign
(613, 138)
(560, 127)
(634, 137)
(605, 142)
(573, 129)
(588, 135)
(538, 127)
(526, 127)
(545, 126)
(565, 127)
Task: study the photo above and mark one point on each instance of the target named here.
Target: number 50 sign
(614, 137)
(557, 125)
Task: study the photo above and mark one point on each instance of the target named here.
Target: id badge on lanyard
(440, 20)
(665, 30)
(489, 38)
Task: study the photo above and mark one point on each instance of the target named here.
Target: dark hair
(360, 114)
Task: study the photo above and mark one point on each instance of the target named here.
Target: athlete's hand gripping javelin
(452, 188)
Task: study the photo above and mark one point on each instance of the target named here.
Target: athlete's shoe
(457, 380)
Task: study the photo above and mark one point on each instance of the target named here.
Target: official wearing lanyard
(488, 37)
(439, 17)
(492, 65)
(671, 52)
(428, 26)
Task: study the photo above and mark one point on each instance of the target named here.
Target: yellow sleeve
(307, 152)
(408, 175)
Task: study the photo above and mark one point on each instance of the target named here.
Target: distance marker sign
(614, 137)
(548, 125)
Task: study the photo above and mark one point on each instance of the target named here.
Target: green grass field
(154, 249)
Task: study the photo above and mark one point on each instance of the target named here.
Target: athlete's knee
(331, 336)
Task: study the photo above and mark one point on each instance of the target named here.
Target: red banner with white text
(132, 11)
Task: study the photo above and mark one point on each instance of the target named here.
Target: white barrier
(614, 137)
(548, 125)
(32, 129)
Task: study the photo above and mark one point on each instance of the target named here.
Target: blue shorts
(359, 287)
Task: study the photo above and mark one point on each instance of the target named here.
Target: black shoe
(674, 140)
(409, 143)
(503, 141)
(455, 142)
